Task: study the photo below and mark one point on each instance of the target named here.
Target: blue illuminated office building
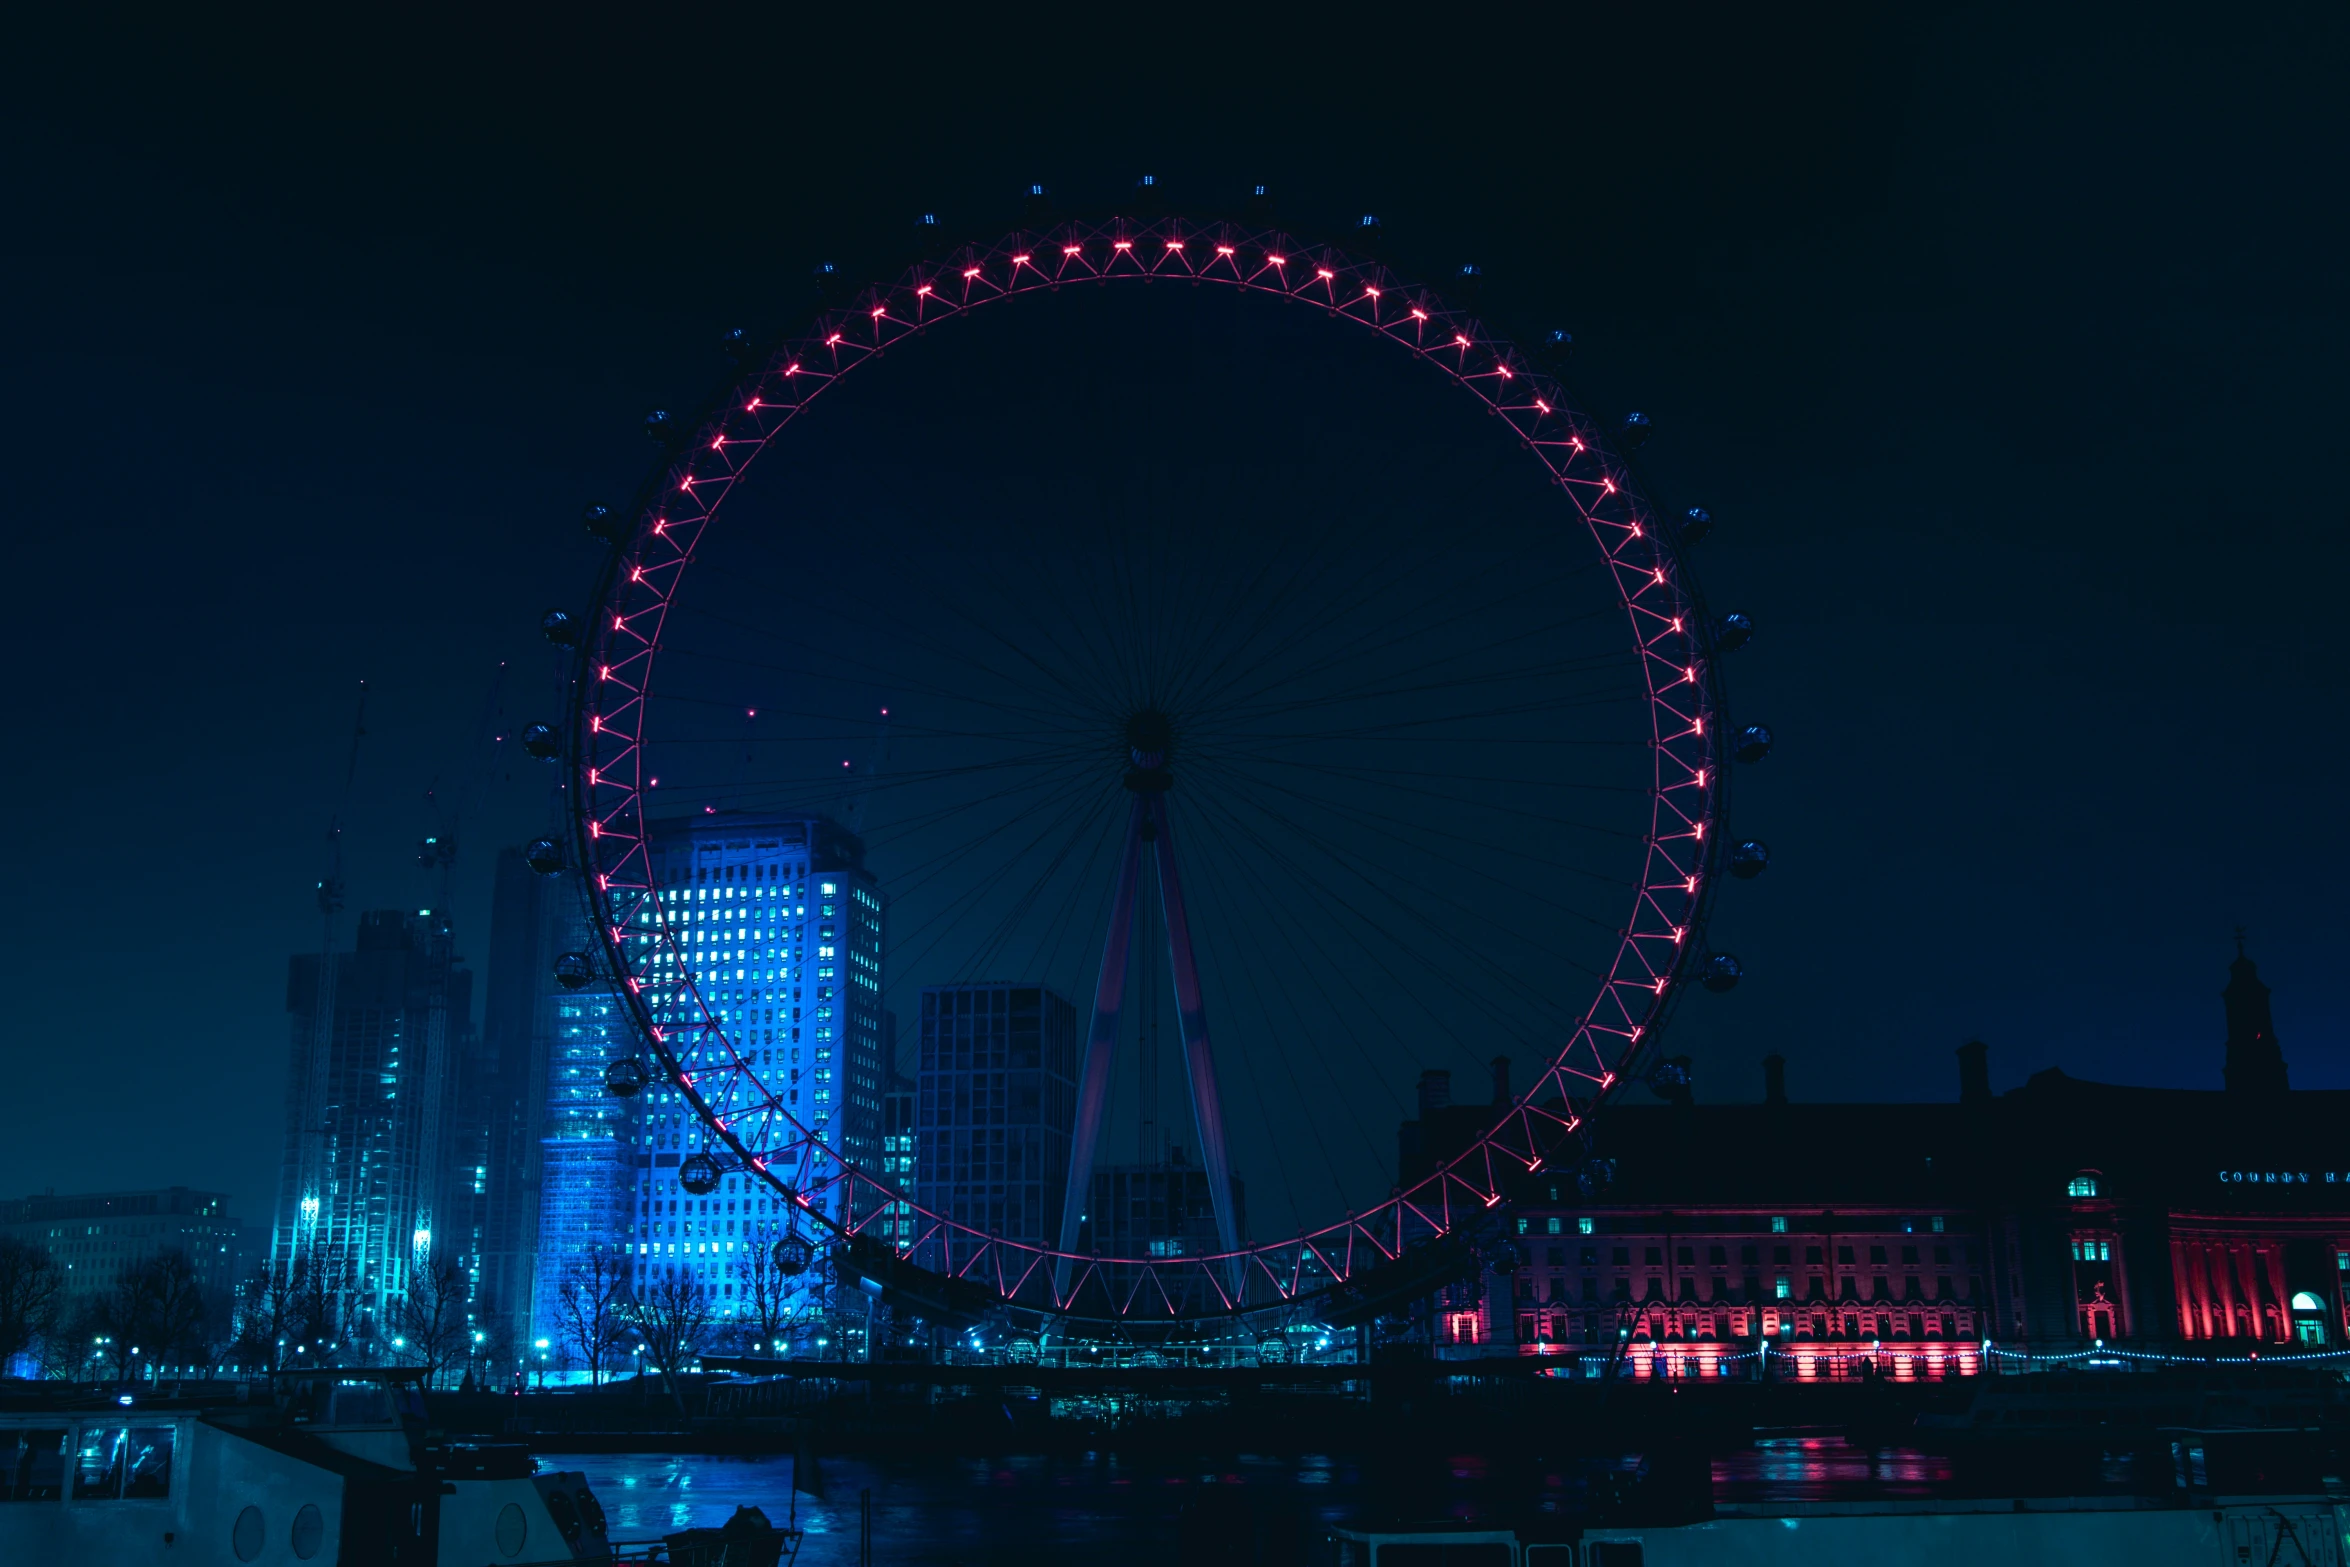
(780, 929)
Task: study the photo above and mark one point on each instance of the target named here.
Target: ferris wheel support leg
(1093, 1075)
(1191, 1016)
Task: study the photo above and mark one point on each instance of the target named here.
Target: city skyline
(2133, 700)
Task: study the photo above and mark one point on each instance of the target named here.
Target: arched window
(2304, 1301)
(2082, 1185)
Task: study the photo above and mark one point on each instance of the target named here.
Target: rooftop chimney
(1774, 1079)
(1974, 1073)
(1435, 1092)
(1501, 1081)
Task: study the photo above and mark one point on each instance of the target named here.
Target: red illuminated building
(2060, 1218)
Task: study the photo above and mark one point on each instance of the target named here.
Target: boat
(327, 1468)
(2264, 1531)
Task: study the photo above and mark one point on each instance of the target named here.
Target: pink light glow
(1419, 315)
(1020, 260)
(1464, 342)
(833, 341)
(1539, 403)
(1370, 292)
(719, 444)
(1124, 244)
(752, 406)
(1279, 261)
(794, 369)
(1174, 244)
(877, 311)
(969, 273)
(924, 291)
(1223, 250)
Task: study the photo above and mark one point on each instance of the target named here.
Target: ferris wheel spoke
(1281, 605)
(1233, 958)
(829, 661)
(1409, 896)
(1381, 636)
(1482, 804)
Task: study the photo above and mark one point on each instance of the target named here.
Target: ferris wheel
(1213, 634)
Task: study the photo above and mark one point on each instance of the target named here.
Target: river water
(1044, 1512)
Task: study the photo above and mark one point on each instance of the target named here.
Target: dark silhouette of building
(2256, 1063)
(996, 1102)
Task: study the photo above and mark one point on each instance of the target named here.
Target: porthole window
(245, 1536)
(309, 1531)
(513, 1529)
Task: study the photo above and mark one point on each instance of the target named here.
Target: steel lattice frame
(1658, 946)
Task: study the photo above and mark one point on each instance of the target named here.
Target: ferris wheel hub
(1150, 742)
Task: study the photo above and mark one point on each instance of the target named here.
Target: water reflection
(1031, 1510)
(1823, 1469)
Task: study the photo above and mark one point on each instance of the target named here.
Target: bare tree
(589, 1307)
(430, 1315)
(112, 1321)
(32, 1298)
(320, 1283)
(267, 1317)
(774, 1302)
(671, 1317)
(177, 1314)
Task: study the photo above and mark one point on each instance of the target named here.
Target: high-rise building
(996, 1103)
(780, 930)
(898, 1163)
(94, 1236)
(371, 1112)
(563, 1168)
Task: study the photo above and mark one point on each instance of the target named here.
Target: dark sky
(2005, 346)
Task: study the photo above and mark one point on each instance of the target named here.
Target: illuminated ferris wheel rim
(1657, 947)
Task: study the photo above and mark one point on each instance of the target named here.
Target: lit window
(1778, 1225)
(1553, 1226)
(1783, 1287)
(2083, 1185)
(1583, 1226)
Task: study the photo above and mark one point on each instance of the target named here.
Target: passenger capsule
(1273, 1352)
(558, 627)
(602, 523)
(791, 1256)
(1750, 859)
(699, 1174)
(1734, 633)
(1754, 743)
(1634, 432)
(1558, 347)
(1720, 973)
(543, 855)
(736, 345)
(575, 971)
(541, 741)
(659, 427)
(1696, 523)
(624, 1078)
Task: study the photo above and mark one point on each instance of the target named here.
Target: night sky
(2005, 348)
